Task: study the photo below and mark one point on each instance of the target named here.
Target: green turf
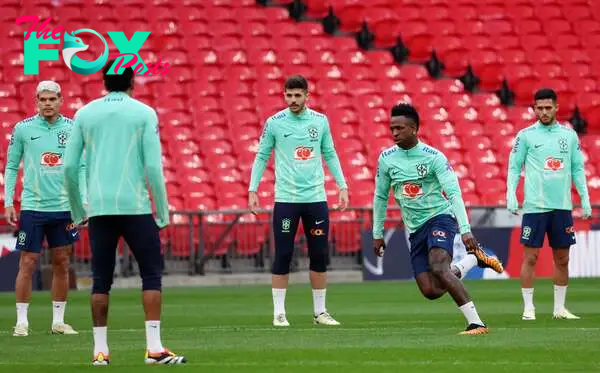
(387, 327)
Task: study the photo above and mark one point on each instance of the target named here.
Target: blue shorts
(57, 227)
(558, 224)
(438, 231)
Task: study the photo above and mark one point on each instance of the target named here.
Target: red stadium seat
(228, 61)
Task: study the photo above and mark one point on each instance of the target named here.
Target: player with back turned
(417, 174)
(122, 146)
(552, 158)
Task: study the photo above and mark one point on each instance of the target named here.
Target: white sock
(527, 298)
(153, 337)
(100, 340)
(58, 312)
(22, 313)
(560, 293)
(465, 264)
(278, 301)
(470, 313)
(319, 301)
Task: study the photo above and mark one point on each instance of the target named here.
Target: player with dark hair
(553, 160)
(40, 142)
(300, 137)
(417, 174)
(121, 135)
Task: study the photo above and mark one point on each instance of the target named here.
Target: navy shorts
(56, 227)
(438, 231)
(558, 224)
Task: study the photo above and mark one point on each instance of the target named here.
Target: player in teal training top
(301, 137)
(417, 174)
(122, 147)
(552, 159)
(39, 141)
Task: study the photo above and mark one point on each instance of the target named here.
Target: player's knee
(430, 292)
(27, 263)
(102, 284)
(432, 295)
(151, 278)
(103, 280)
(283, 259)
(318, 260)
(60, 263)
(531, 259)
(561, 261)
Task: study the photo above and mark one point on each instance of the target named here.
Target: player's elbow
(262, 157)
(380, 197)
(154, 171)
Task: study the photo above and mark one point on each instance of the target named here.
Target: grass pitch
(387, 327)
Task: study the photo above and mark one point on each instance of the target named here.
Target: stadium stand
(459, 62)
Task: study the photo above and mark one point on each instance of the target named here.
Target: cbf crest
(421, 170)
(313, 133)
(564, 144)
(285, 225)
(22, 237)
(62, 138)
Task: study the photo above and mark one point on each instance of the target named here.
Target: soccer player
(552, 156)
(121, 138)
(300, 137)
(40, 142)
(417, 174)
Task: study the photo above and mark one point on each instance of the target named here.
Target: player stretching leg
(123, 138)
(417, 174)
(300, 137)
(40, 142)
(552, 158)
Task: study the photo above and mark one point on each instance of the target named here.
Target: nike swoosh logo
(319, 222)
(441, 240)
(537, 146)
(287, 134)
(35, 138)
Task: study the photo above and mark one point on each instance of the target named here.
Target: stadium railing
(236, 241)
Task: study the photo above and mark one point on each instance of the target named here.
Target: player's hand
(470, 242)
(253, 202)
(10, 214)
(161, 223)
(587, 212)
(378, 246)
(344, 199)
(512, 206)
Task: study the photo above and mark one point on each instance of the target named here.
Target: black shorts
(141, 234)
(315, 220)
